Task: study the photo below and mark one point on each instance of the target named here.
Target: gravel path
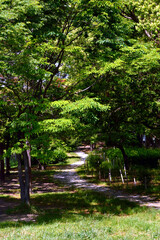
(70, 177)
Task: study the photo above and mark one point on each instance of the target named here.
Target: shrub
(144, 157)
(59, 155)
(105, 160)
(115, 157)
(94, 160)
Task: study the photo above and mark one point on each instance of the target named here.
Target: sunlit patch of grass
(68, 161)
(72, 160)
(83, 215)
(77, 214)
(75, 222)
(79, 200)
(72, 155)
(10, 198)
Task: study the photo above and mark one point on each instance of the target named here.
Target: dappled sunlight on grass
(84, 215)
(63, 213)
(77, 214)
(82, 202)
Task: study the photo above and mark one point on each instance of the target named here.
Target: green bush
(144, 157)
(105, 159)
(59, 155)
(105, 166)
(94, 160)
(114, 158)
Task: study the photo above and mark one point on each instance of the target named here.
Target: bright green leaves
(86, 104)
(55, 126)
(149, 15)
(59, 105)
(145, 14)
(54, 52)
(141, 57)
(14, 22)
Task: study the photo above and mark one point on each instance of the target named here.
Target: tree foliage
(77, 68)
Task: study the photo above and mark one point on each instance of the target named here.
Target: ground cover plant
(76, 214)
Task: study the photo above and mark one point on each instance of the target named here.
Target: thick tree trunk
(125, 157)
(24, 179)
(2, 178)
(20, 175)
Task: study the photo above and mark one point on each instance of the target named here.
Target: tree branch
(54, 72)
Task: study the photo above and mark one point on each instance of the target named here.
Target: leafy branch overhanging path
(68, 176)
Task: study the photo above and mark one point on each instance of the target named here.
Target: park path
(69, 177)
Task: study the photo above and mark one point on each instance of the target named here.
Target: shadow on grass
(42, 173)
(70, 206)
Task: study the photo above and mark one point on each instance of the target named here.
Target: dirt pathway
(70, 177)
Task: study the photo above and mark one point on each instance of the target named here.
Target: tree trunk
(28, 151)
(41, 166)
(7, 158)
(27, 178)
(125, 157)
(7, 166)
(21, 180)
(1, 163)
(24, 179)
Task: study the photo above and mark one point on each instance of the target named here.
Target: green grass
(72, 158)
(70, 214)
(69, 161)
(93, 228)
(83, 215)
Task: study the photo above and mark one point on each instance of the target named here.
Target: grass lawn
(81, 214)
(66, 213)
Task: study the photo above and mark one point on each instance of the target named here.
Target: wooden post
(125, 172)
(121, 176)
(109, 174)
(110, 177)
